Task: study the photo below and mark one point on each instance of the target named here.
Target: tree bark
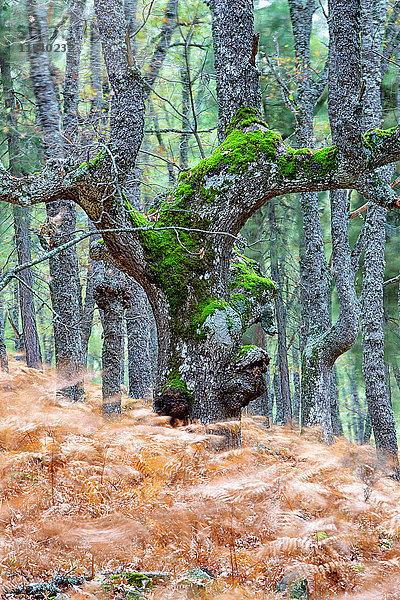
(65, 289)
(280, 320)
(21, 216)
(112, 296)
(3, 348)
(137, 327)
(376, 391)
(357, 413)
(260, 405)
(335, 415)
(33, 355)
(296, 384)
(316, 389)
(235, 48)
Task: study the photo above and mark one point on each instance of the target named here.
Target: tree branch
(390, 281)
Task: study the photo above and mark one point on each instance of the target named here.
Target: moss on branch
(88, 167)
(305, 162)
(374, 137)
(244, 350)
(246, 274)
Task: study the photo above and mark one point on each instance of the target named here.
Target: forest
(199, 299)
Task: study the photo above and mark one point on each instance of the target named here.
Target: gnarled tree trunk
(203, 294)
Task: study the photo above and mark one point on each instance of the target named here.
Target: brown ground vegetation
(81, 494)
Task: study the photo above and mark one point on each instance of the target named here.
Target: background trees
(180, 99)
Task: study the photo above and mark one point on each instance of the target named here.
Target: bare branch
(390, 281)
(160, 51)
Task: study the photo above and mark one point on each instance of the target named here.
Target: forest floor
(81, 495)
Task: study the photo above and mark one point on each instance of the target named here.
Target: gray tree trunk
(357, 413)
(260, 405)
(3, 348)
(296, 384)
(316, 390)
(13, 317)
(277, 276)
(277, 382)
(65, 289)
(335, 415)
(112, 296)
(235, 48)
(21, 216)
(373, 19)
(140, 370)
(33, 355)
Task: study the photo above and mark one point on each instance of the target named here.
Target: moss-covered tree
(203, 293)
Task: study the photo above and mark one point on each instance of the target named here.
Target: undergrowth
(82, 495)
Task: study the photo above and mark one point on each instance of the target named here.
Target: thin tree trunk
(277, 382)
(259, 406)
(280, 319)
(65, 289)
(335, 415)
(235, 49)
(21, 217)
(137, 327)
(88, 313)
(185, 110)
(376, 392)
(357, 412)
(296, 384)
(13, 317)
(33, 355)
(3, 349)
(268, 391)
(316, 388)
(367, 428)
(112, 296)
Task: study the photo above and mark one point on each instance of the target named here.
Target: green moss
(138, 218)
(373, 138)
(89, 166)
(178, 258)
(244, 118)
(97, 159)
(177, 264)
(208, 309)
(304, 161)
(241, 303)
(243, 351)
(238, 150)
(139, 579)
(245, 275)
(175, 381)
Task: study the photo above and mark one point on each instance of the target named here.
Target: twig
(190, 87)
(13, 325)
(390, 281)
(161, 158)
(358, 212)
